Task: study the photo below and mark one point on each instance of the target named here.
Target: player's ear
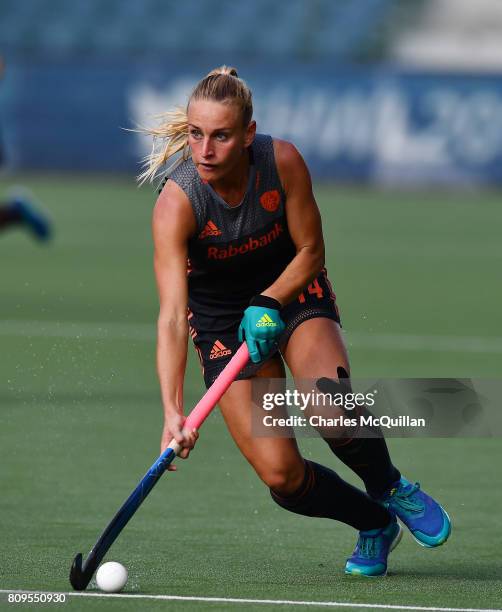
(250, 133)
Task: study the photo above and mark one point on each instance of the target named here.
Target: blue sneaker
(29, 216)
(427, 521)
(372, 549)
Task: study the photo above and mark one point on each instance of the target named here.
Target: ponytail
(173, 136)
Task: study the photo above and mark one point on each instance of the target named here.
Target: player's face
(217, 138)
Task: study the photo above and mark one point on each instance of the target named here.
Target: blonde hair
(171, 135)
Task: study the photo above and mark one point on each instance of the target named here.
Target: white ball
(111, 577)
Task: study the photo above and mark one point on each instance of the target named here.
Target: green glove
(261, 326)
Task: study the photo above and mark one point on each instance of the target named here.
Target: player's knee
(283, 481)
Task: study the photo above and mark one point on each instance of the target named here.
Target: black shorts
(216, 349)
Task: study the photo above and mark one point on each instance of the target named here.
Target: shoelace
(367, 547)
(403, 498)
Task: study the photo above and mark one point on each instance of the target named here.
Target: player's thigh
(316, 348)
(275, 458)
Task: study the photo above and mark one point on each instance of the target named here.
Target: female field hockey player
(239, 208)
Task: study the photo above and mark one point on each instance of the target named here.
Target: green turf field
(418, 282)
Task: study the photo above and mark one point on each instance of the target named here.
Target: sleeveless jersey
(237, 251)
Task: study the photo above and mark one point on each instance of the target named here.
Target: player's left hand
(261, 327)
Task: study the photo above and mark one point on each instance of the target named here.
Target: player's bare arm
(304, 224)
(173, 223)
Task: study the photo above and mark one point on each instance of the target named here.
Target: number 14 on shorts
(313, 288)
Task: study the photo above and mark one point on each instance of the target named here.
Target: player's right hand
(173, 428)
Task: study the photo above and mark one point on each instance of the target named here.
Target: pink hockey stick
(217, 389)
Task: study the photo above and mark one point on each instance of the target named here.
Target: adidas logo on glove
(266, 321)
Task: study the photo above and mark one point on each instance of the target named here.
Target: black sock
(324, 494)
(369, 459)
(369, 456)
(8, 215)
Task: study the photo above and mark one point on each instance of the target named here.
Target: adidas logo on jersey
(209, 230)
(266, 321)
(219, 350)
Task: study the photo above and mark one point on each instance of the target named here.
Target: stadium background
(396, 106)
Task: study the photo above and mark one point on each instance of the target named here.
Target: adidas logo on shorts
(266, 321)
(219, 350)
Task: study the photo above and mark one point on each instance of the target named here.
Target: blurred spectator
(18, 209)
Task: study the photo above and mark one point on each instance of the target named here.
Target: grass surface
(80, 413)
